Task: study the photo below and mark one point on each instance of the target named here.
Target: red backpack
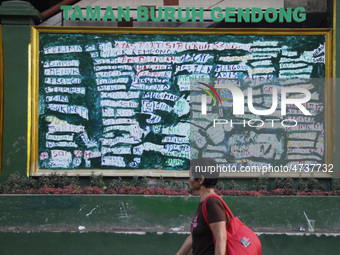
(241, 240)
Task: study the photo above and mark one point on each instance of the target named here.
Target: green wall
(160, 213)
(15, 104)
(16, 19)
(148, 244)
(114, 224)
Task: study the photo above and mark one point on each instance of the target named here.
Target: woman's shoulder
(215, 209)
(214, 201)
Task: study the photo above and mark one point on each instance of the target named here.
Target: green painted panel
(16, 20)
(147, 243)
(163, 213)
(15, 44)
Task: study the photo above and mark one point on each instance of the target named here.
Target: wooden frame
(34, 86)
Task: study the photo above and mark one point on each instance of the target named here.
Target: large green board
(121, 101)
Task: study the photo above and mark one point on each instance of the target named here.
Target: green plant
(135, 181)
(312, 184)
(322, 187)
(140, 182)
(336, 184)
(117, 184)
(55, 180)
(70, 180)
(220, 186)
(97, 180)
(144, 182)
(301, 185)
(176, 185)
(163, 184)
(17, 182)
(232, 185)
(284, 183)
(261, 183)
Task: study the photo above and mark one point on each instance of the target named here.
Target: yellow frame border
(1, 98)
(34, 90)
(334, 75)
(29, 109)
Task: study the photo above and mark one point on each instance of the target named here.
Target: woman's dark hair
(206, 167)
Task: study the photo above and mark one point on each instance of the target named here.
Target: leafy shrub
(283, 183)
(233, 185)
(336, 185)
(97, 180)
(163, 184)
(144, 182)
(178, 186)
(301, 186)
(140, 182)
(17, 182)
(312, 184)
(63, 184)
(55, 180)
(261, 183)
(220, 186)
(117, 184)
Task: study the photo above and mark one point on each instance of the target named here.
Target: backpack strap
(205, 211)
